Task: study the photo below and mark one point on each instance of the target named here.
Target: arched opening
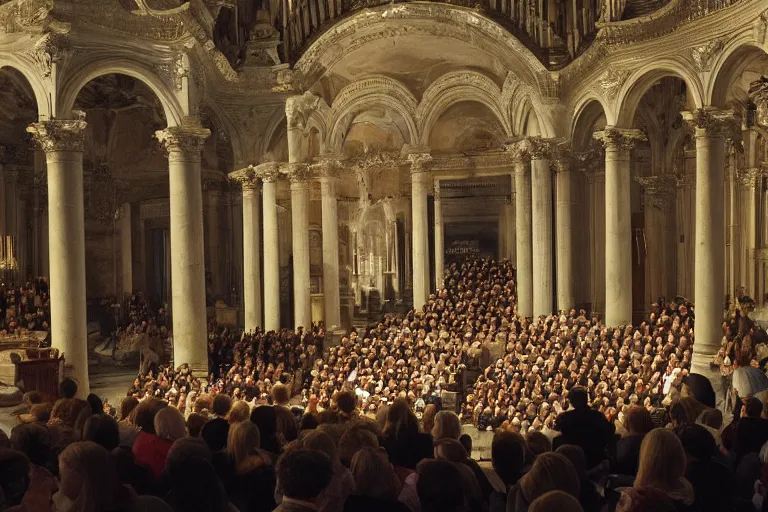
(663, 195)
(466, 127)
(22, 189)
(739, 85)
(588, 188)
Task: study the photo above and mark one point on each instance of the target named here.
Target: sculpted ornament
(714, 122)
(269, 172)
(47, 51)
(619, 138)
(298, 109)
(186, 139)
(60, 134)
(659, 190)
(612, 80)
(761, 29)
(703, 56)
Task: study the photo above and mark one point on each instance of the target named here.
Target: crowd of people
(228, 455)
(26, 307)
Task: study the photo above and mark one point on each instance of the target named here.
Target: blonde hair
(91, 461)
(662, 461)
(447, 426)
(170, 424)
(243, 444)
(240, 411)
(550, 472)
(555, 501)
(428, 418)
(374, 476)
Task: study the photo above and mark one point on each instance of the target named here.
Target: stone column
(522, 157)
(190, 340)
(541, 227)
(749, 179)
(251, 247)
(126, 248)
(12, 207)
(564, 233)
(420, 181)
(733, 224)
(62, 142)
(658, 196)
(709, 291)
(41, 216)
(269, 175)
(330, 224)
(439, 240)
(302, 305)
(618, 224)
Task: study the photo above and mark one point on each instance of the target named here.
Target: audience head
(578, 397)
(578, 458)
(508, 456)
(450, 450)
(439, 486)
(427, 417)
(466, 442)
(86, 478)
(243, 443)
(401, 421)
(304, 474)
(280, 394)
(240, 411)
(169, 424)
(753, 408)
(697, 442)
(265, 418)
(662, 461)
(447, 426)
(127, 406)
(185, 449)
(14, 477)
(195, 424)
(67, 388)
(537, 443)
(102, 429)
(322, 442)
(34, 441)
(97, 406)
(645, 499)
(550, 472)
(639, 421)
(146, 412)
(374, 476)
(555, 501)
(355, 439)
(346, 403)
(221, 405)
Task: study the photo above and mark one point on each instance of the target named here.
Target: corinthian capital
(298, 109)
(713, 122)
(186, 139)
(60, 134)
(247, 178)
(419, 162)
(520, 150)
(329, 166)
(748, 177)
(298, 172)
(619, 138)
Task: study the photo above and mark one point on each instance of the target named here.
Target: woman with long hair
(404, 443)
(376, 485)
(638, 423)
(250, 481)
(662, 467)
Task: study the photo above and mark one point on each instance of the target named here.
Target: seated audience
(638, 423)
(585, 427)
(555, 501)
(439, 487)
(550, 472)
(303, 475)
(216, 430)
(662, 467)
(376, 485)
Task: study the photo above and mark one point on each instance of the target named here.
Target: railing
(555, 35)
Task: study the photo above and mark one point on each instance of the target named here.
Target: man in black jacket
(584, 427)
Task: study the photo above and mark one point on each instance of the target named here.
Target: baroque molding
(187, 140)
(60, 134)
(713, 122)
(703, 56)
(619, 138)
(611, 80)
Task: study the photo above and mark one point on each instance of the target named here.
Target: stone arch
(454, 87)
(275, 125)
(583, 105)
(587, 113)
(89, 70)
(223, 124)
(641, 80)
(36, 84)
(734, 58)
(378, 90)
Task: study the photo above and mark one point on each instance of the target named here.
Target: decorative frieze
(704, 55)
(60, 134)
(611, 81)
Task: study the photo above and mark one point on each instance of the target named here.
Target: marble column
(40, 244)
(190, 340)
(709, 291)
(596, 179)
(269, 175)
(733, 224)
(11, 207)
(126, 249)
(330, 224)
(249, 182)
(749, 180)
(523, 228)
(439, 240)
(564, 234)
(618, 224)
(62, 141)
(420, 182)
(302, 305)
(541, 227)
